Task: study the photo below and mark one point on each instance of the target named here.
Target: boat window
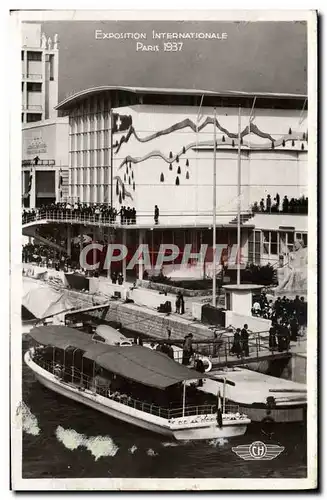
(98, 338)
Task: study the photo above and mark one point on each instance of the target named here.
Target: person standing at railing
(245, 341)
(272, 338)
(236, 347)
(187, 349)
(294, 328)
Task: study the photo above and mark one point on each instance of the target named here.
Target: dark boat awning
(61, 337)
(147, 367)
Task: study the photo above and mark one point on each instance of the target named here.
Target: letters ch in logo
(258, 451)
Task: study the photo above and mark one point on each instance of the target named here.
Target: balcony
(31, 163)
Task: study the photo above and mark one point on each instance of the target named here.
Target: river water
(64, 439)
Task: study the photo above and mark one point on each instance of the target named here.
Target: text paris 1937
(165, 47)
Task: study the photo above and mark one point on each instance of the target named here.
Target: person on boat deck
(236, 347)
(245, 340)
(187, 349)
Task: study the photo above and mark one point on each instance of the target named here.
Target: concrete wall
(255, 324)
(151, 323)
(48, 140)
(293, 368)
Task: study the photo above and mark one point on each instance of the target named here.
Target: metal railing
(70, 216)
(75, 216)
(75, 377)
(31, 163)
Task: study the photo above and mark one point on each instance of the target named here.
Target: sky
(255, 57)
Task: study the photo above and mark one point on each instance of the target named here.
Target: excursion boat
(262, 397)
(131, 383)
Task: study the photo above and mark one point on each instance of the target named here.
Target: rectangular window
(34, 56)
(51, 67)
(266, 242)
(303, 238)
(290, 241)
(33, 117)
(254, 247)
(34, 87)
(273, 243)
(22, 55)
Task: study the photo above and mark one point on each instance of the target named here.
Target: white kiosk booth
(238, 305)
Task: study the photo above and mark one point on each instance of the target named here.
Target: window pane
(266, 242)
(290, 237)
(250, 251)
(273, 236)
(273, 248)
(305, 239)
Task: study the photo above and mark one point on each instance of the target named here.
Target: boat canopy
(61, 337)
(138, 363)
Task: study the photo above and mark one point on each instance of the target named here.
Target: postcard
(164, 250)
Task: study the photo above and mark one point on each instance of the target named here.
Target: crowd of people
(283, 308)
(99, 211)
(286, 206)
(288, 318)
(47, 256)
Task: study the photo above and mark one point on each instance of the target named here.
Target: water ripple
(99, 446)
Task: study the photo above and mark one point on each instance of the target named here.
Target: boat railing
(74, 376)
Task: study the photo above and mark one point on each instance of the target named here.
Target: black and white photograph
(164, 250)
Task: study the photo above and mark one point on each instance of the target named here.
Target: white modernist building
(141, 147)
(40, 59)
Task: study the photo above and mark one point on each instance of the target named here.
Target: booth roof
(147, 367)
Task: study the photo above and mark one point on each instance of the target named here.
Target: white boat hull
(194, 427)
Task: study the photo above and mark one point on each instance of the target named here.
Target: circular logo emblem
(258, 450)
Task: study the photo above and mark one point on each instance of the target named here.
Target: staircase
(28, 231)
(244, 218)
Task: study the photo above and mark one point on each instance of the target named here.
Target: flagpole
(239, 200)
(111, 158)
(224, 395)
(184, 396)
(214, 212)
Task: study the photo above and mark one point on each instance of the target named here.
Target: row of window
(32, 87)
(273, 243)
(32, 117)
(32, 55)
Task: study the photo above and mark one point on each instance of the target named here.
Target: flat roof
(68, 101)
